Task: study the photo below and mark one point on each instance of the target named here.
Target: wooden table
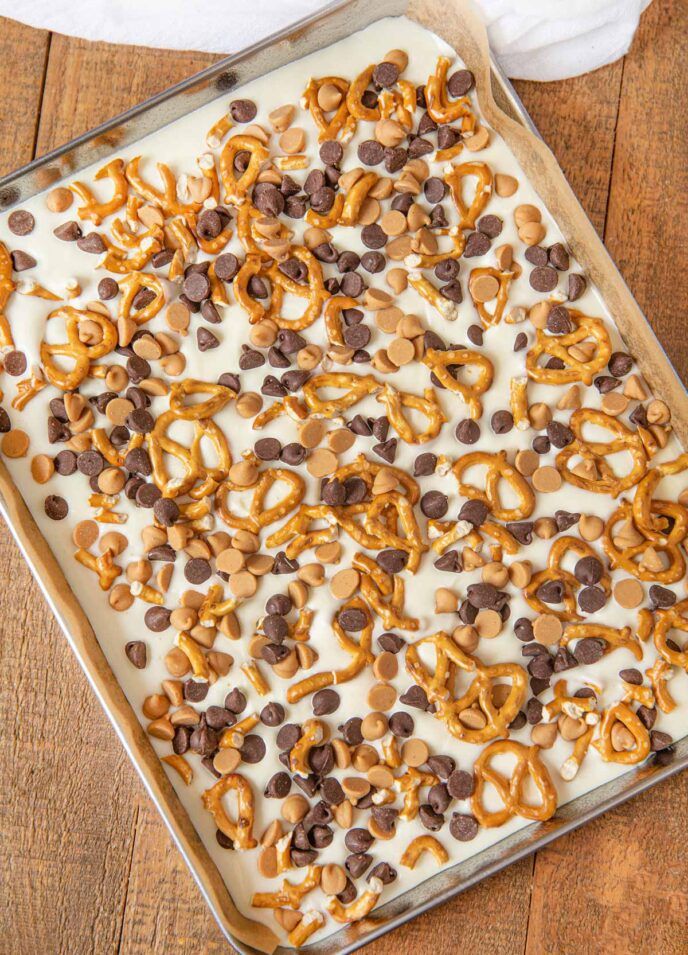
(86, 866)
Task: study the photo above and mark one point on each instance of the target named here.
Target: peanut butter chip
(590, 527)
(393, 223)
(340, 440)
(415, 752)
(333, 879)
(42, 468)
(178, 317)
(85, 534)
(267, 862)
(380, 776)
(226, 760)
(15, 443)
(248, 404)
(484, 288)
(628, 593)
(355, 787)
(520, 573)
(312, 432)
(293, 140)
(345, 583)
(488, 623)
(401, 351)
(243, 474)
(505, 186)
(385, 666)
(243, 584)
(387, 319)
(614, 403)
(546, 479)
(59, 199)
(294, 808)
(381, 697)
(547, 629)
(374, 725)
(230, 561)
(321, 463)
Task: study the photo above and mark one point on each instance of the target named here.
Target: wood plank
(577, 120)
(67, 837)
(23, 59)
(643, 843)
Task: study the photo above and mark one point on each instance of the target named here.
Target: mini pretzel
(241, 831)
(167, 199)
(447, 309)
(630, 558)
(120, 261)
(375, 586)
(103, 565)
(518, 401)
(332, 316)
(129, 286)
(198, 479)
(314, 291)
(178, 763)
(558, 346)
(354, 97)
(341, 125)
(439, 106)
(97, 211)
(615, 639)
(309, 924)
(359, 908)
(504, 279)
(395, 402)
(573, 706)
(297, 532)
(415, 849)
(440, 363)
(439, 687)
(27, 389)
(258, 515)
(409, 784)
(7, 286)
(667, 620)
(382, 517)
(367, 470)
(236, 189)
(510, 789)
(313, 733)
(603, 744)
(291, 894)
(658, 674)
(672, 525)
(498, 468)
(194, 655)
(454, 177)
(356, 387)
(360, 653)
(554, 571)
(74, 349)
(597, 451)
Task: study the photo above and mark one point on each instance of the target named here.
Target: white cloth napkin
(534, 39)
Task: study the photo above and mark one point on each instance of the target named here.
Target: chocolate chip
(463, 826)
(541, 444)
(267, 449)
(450, 562)
(467, 431)
(357, 863)
(659, 741)
(387, 450)
(15, 363)
(392, 560)
(197, 570)
(21, 261)
(358, 840)
(56, 508)
(373, 262)
(331, 152)
(272, 714)
(435, 189)
(90, 463)
(576, 287)
(559, 434)
(325, 702)
(446, 270)
(475, 512)
(391, 642)
(460, 785)
(558, 257)
(352, 620)
(589, 650)
(588, 570)
(21, 222)
(559, 320)
(475, 335)
(544, 279)
(565, 519)
(278, 786)
(157, 619)
(253, 749)
(502, 422)
(351, 731)
(243, 110)
(523, 629)
(477, 244)
(536, 255)
(68, 231)
(6, 425)
(452, 291)
(136, 653)
(551, 592)
(419, 147)
(591, 599)
(385, 74)
(195, 691)
(91, 242)
(434, 504)
(460, 83)
(661, 597)
(425, 464)
(415, 696)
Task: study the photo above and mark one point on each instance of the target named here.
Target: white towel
(534, 39)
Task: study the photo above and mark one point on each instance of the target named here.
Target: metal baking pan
(332, 23)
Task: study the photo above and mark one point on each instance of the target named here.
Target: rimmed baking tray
(332, 23)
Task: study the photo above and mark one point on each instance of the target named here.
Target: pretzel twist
(418, 846)
(498, 468)
(167, 198)
(558, 346)
(314, 291)
(667, 620)
(7, 287)
(375, 586)
(259, 515)
(439, 106)
(510, 788)
(597, 452)
(410, 783)
(630, 558)
(622, 713)
(313, 733)
(291, 894)
(658, 674)
(441, 365)
(504, 279)
(236, 188)
(395, 401)
(74, 350)
(129, 286)
(621, 638)
(554, 571)
(468, 213)
(97, 211)
(341, 125)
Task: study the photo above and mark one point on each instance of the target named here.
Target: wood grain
(86, 865)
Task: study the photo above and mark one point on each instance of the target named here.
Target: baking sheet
(454, 23)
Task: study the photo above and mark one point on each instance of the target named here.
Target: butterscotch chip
(116, 378)
(370, 211)
(547, 629)
(117, 543)
(415, 752)
(226, 760)
(42, 468)
(570, 728)
(505, 186)
(377, 298)
(393, 223)
(374, 725)
(479, 140)
(260, 564)
(398, 57)
(385, 666)
(381, 697)
(161, 729)
(312, 432)
(263, 334)
(178, 317)
(294, 808)
(350, 178)
(267, 862)
(532, 233)
(658, 412)
(243, 474)
(312, 574)
(488, 624)
(635, 389)
(628, 593)
(546, 479)
(248, 404)
(545, 528)
(342, 754)
(111, 480)
(571, 400)
(466, 637)
(397, 279)
(121, 598)
(355, 787)
(621, 737)
(650, 560)
(484, 288)
(614, 403)
(473, 718)
(329, 97)
(243, 584)
(544, 735)
(59, 199)
(340, 440)
(321, 463)
(364, 756)
(293, 140)
(298, 592)
(282, 117)
(382, 189)
(495, 573)
(328, 553)
(401, 351)
(590, 527)
(504, 255)
(15, 443)
(526, 213)
(527, 462)
(220, 662)
(314, 236)
(309, 357)
(399, 248)
(118, 410)
(381, 777)
(446, 601)
(333, 879)
(85, 534)
(409, 327)
(230, 561)
(345, 583)
(183, 618)
(387, 319)
(520, 573)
